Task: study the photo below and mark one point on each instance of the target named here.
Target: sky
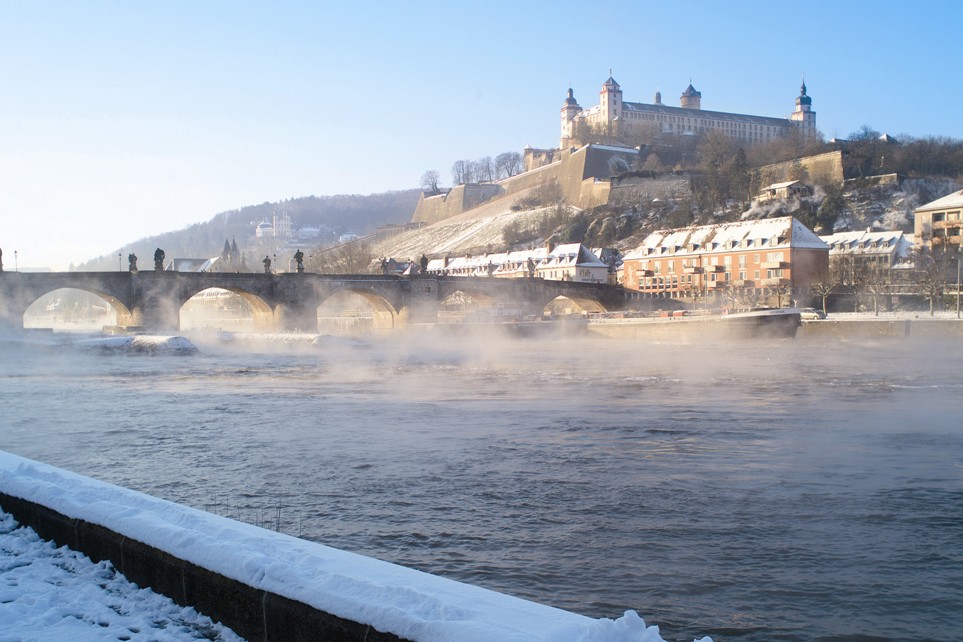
(120, 120)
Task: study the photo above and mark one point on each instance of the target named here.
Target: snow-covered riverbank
(50, 593)
(408, 603)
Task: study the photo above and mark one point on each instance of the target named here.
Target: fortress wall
(644, 190)
(459, 199)
(820, 169)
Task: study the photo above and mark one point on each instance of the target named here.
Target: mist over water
(785, 490)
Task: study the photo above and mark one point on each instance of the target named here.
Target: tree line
(483, 170)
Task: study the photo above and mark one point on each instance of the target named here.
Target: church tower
(803, 117)
(569, 110)
(610, 104)
(691, 99)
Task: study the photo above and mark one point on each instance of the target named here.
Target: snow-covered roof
(869, 242)
(780, 185)
(764, 234)
(950, 201)
(567, 254)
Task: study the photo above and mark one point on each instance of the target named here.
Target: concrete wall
(253, 614)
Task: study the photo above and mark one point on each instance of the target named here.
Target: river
(783, 490)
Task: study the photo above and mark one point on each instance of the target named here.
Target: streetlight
(16, 266)
(119, 267)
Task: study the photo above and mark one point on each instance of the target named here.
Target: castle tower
(610, 103)
(803, 117)
(691, 99)
(569, 110)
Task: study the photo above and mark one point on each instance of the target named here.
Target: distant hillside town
(675, 203)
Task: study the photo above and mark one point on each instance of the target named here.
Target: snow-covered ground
(411, 604)
(49, 593)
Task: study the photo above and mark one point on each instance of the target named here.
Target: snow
(392, 598)
(49, 593)
(148, 344)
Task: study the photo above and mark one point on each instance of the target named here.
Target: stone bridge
(290, 301)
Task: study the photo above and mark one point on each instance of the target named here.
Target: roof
(869, 242)
(704, 113)
(780, 185)
(950, 201)
(764, 234)
(192, 265)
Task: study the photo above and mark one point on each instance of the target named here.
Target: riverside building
(759, 260)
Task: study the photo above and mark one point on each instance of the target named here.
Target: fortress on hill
(582, 173)
(627, 120)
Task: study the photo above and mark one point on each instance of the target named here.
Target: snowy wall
(270, 586)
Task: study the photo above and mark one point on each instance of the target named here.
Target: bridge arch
(571, 304)
(226, 308)
(74, 307)
(350, 310)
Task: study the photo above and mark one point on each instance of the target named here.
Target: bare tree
(851, 274)
(509, 164)
(822, 285)
(462, 171)
(429, 181)
(929, 275)
(354, 257)
(877, 284)
(485, 168)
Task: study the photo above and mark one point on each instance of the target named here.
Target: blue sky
(122, 119)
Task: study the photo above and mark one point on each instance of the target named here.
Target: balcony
(743, 283)
(770, 283)
(775, 265)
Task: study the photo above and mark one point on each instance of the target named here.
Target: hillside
(334, 215)
(492, 228)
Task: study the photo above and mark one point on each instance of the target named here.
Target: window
(742, 260)
(756, 259)
(742, 275)
(755, 275)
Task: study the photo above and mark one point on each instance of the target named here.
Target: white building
(614, 117)
(567, 262)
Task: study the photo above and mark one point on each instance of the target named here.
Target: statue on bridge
(132, 262)
(159, 259)
(267, 264)
(424, 264)
(531, 268)
(299, 257)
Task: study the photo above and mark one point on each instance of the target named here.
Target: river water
(785, 490)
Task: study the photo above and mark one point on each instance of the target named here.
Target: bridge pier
(423, 299)
(297, 318)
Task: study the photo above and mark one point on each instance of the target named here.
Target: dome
(570, 101)
(803, 98)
